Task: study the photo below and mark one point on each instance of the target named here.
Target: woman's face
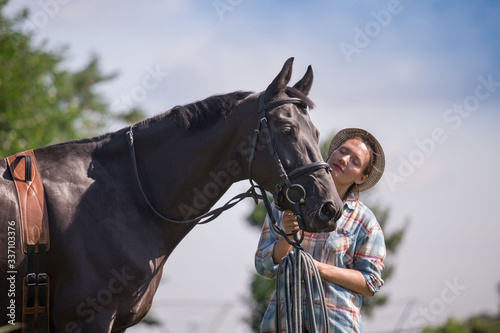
(348, 163)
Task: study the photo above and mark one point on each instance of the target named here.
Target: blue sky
(424, 79)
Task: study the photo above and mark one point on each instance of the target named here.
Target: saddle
(35, 240)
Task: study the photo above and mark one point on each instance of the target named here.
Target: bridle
(284, 191)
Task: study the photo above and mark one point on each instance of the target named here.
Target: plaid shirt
(357, 243)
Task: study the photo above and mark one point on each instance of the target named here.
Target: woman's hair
(376, 164)
(371, 162)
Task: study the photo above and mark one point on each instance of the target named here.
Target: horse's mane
(199, 114)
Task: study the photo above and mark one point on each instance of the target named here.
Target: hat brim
(379, 165)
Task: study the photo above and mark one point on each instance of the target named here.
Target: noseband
(284, 191)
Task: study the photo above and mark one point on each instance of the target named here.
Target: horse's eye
(287, 131)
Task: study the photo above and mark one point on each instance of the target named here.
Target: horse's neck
(186, 172)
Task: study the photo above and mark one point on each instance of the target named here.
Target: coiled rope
(300, 279)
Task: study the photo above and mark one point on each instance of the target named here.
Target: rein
(284, 185)
(211, 215)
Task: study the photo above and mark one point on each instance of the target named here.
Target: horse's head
(306, 184)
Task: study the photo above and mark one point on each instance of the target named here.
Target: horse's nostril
(328, 211)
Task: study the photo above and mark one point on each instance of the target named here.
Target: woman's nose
(345, 159)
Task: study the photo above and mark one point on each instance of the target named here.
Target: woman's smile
(338, 167)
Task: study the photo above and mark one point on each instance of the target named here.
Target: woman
(349, 259)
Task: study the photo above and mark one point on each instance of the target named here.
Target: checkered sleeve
(264, 263)
(369, 257)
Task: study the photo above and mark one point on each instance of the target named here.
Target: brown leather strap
(34, 220)
(35, 315)
(35, 239)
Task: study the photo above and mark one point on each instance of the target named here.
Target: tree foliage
(262, 289)
(41, 102)
(477, 324)
(483, 323)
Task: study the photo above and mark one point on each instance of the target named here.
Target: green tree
(483, 323)
(476, 324)
(262, 289)
(42, 103)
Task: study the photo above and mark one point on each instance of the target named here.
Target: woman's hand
(289, 221)
(347, 278)
(290, 225)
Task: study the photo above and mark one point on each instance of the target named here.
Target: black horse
(108, 245)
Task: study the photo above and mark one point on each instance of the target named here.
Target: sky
(422, 76)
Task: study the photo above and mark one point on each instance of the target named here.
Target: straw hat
(379, 157)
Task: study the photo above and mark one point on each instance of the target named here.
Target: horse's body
(107, 247)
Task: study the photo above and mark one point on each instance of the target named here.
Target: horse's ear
(280, 82)
(306, 82)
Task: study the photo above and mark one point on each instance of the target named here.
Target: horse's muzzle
(328, 216)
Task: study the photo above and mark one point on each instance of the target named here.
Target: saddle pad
(34, 219)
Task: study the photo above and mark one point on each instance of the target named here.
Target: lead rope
(298, 274)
